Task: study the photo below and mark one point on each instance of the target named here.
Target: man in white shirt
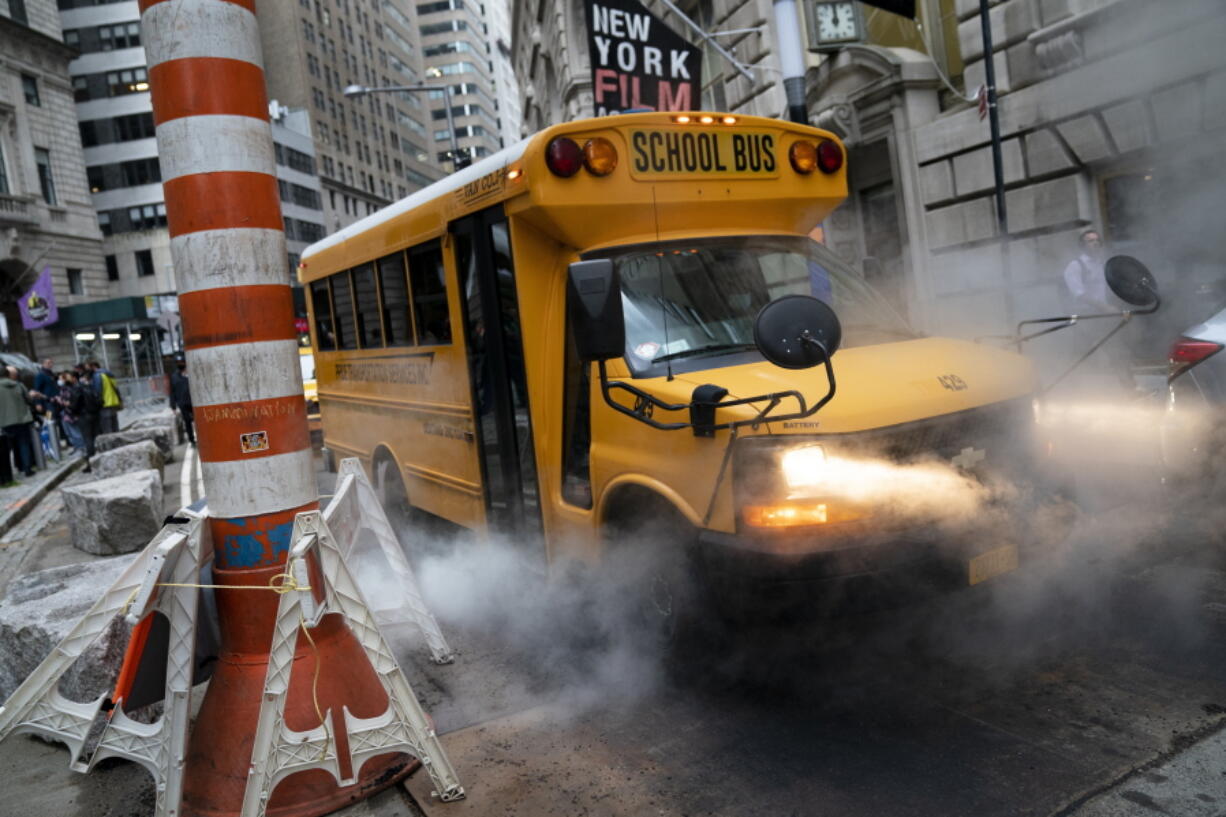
(1084, 277)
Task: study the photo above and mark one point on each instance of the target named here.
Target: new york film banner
(638, 62)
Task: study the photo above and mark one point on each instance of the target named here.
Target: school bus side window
(366, 306)
(397, 323)
(342, 311)
(321, 305)
(429, 286)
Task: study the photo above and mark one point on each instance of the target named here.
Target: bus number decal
(714, 153)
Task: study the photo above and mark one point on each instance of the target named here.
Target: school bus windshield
(692, 304)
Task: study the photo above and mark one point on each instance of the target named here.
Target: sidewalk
(18, 500)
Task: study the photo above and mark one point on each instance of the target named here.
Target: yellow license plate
(684, 153)
(993, 563)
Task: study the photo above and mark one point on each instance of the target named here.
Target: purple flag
(37, 306)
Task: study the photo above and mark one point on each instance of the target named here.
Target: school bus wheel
(392, 495)
(649, 552)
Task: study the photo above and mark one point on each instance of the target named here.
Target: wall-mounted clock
(834, 23)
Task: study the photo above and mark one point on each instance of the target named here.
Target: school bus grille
(999, 427)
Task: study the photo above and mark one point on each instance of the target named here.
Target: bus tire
(393, 496)
(651, 559)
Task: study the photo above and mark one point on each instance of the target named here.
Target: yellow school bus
(450, 361)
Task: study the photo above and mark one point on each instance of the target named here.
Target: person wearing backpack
(103, 383)
(86, 404)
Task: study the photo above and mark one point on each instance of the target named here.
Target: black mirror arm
(1069, 320)
(1124, 317)
(644, 399)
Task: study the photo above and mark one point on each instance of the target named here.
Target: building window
(76, 283)
(29, 86)
(17, 11)
(134, 126)
(42, 158)
(147, 217)
(104, 224)
(141, 171)
(131, 81)
(144, 263)
(112, 268)
(123, 35)
(89, 133)
(80, 89)
(4, 176)
(72, 37)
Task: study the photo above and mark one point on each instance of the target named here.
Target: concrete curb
(22, 507)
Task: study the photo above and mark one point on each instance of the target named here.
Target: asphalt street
(1090, 684)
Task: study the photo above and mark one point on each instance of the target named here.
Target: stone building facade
(46, 217)
(1111, 116)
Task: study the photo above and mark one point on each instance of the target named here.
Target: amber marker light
(803, 156)
(681, 120)
(599, 156)
(728, 120)
(514, 173)
(707, 120)
(786, 516)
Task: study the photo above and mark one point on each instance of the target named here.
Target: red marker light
(1186, 353)
(564, 157)
(829, 156)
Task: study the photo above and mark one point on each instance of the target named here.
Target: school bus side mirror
(595, 304)
(1130, 280)
(797, 332)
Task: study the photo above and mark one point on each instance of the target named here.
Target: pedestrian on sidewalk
(68, 420)
(46, 383)
(85, 407)
(181, 399)
(16, 419)
(103, 383)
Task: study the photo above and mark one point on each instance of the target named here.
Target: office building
(458, 48)
(371, 150)
(46, 218)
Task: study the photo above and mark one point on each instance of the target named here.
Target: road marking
(185, 477)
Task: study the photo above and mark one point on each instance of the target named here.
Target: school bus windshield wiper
(725, 348)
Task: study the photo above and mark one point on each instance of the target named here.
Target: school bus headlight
(805, 467)
(803, 156)
(829, 156)
(563, 157)
(599, 156)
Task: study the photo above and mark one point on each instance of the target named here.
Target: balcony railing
(17, 209)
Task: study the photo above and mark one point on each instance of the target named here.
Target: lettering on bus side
(657, 153)
(411, 373)
(435, 429)
(491, 184)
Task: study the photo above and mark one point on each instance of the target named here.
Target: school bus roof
(779, 208)
(453, 182)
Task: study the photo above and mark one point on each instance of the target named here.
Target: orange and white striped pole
(227, 242)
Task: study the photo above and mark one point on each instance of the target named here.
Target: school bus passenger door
(492, 325)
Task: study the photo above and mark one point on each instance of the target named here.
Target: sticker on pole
(253, 442)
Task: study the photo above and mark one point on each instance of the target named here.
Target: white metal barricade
(280, 751)
(355, 506)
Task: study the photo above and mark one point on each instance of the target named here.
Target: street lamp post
(457, 162)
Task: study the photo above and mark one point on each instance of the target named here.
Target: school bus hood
(880, 385)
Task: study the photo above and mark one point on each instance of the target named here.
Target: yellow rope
(280, 584)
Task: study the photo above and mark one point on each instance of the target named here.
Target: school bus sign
(638, 62)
